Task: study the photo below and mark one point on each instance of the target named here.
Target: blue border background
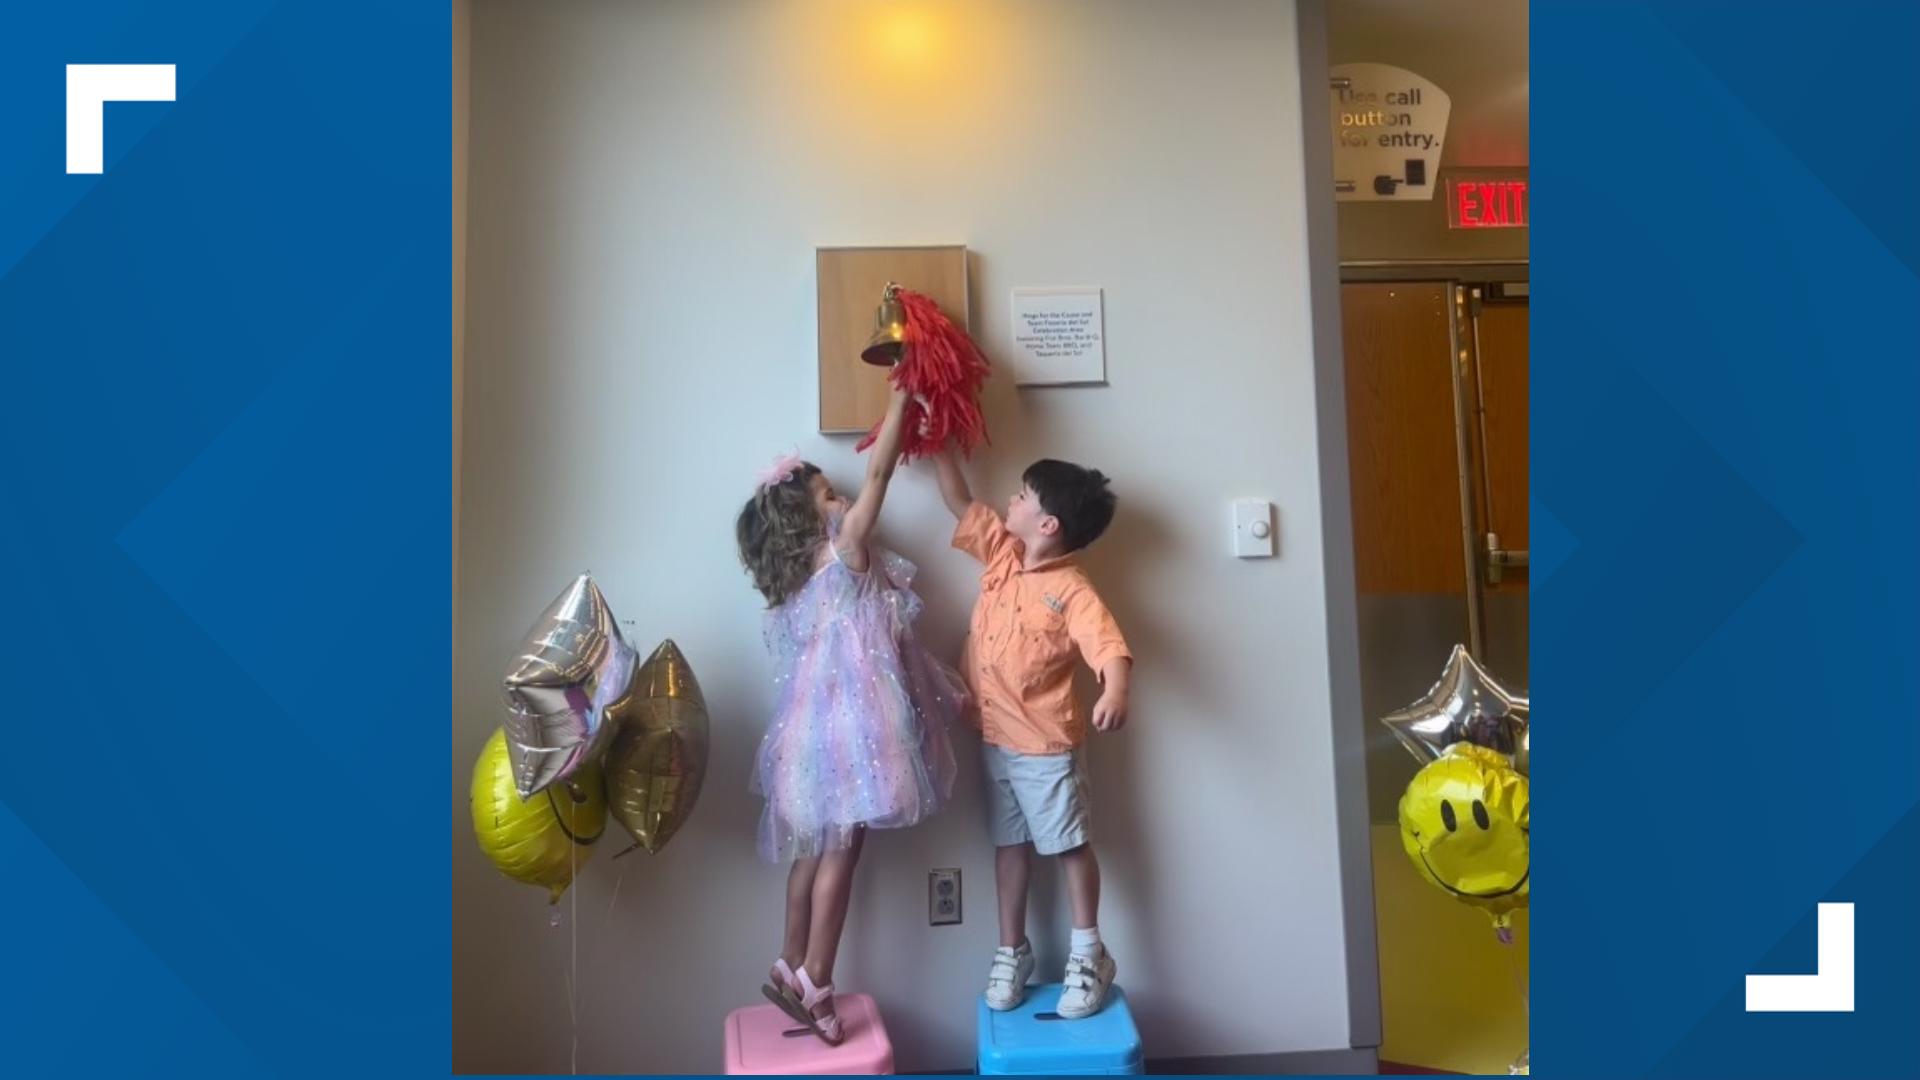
(1724, 451)
(224, 461)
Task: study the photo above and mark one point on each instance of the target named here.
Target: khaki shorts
(1043, 798)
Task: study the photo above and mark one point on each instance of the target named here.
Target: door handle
(1500, 560)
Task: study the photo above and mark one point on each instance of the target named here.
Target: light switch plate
(1253, 529)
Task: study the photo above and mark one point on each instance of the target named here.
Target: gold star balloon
(659, 757)
(1467, 705)
(571, 666)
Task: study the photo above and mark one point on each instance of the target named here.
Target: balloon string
(1520, 984)
(573, 960)
(622, 876)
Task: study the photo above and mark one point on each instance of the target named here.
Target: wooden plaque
(853, 394)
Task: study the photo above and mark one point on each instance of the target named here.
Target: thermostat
(1253, 531)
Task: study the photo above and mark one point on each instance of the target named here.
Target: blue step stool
(1032, 1040)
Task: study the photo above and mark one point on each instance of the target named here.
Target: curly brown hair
(780, 532)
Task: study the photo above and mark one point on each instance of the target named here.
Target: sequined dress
(859, 734)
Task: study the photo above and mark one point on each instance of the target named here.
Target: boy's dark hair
(1077, 496)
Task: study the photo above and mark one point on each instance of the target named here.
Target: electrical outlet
(943, 897)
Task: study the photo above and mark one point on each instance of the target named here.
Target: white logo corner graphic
(1829, 988)
(89, 88)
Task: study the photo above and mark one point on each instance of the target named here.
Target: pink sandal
(798, 998)
(783, 989)
(827, 1026)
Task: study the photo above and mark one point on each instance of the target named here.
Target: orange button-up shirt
(1026, 627)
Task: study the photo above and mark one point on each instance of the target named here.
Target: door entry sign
(1389, 125)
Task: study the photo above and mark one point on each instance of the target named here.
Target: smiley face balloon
(1464, 823)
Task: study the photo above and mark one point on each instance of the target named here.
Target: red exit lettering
(1488, 204)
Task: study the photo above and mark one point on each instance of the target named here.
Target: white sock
(1086, 943)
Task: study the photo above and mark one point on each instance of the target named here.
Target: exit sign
(1479, 203)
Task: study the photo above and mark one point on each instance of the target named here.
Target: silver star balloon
(571, 666)
(1466, 705)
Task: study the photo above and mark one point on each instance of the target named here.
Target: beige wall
(649, 182)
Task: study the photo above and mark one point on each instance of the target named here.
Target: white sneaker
(1086, 985)
(1007, 979)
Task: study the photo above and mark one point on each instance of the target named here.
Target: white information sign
(1059, 337)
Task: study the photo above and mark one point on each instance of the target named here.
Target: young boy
(1036, 611)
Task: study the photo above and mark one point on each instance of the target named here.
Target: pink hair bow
(781, 470)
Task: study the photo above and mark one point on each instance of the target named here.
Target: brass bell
(889, 330)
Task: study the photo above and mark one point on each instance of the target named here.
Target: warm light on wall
(913, 84)
(906, 35)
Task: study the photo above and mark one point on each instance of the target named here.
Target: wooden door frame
(1466, 273)
(1325, 275)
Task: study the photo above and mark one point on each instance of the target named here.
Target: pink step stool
(759, 1043)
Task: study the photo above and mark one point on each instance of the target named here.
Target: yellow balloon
(545, 838)
(1464, 823)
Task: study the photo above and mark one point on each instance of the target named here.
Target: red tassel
(942, 365)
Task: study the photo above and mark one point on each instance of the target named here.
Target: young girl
(859, 731)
